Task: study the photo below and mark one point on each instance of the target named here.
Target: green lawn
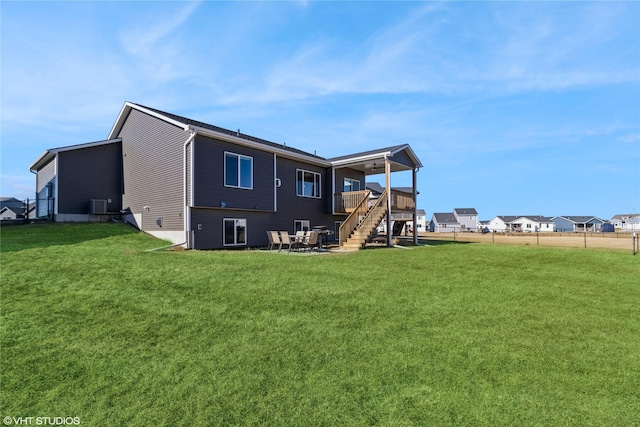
(95, 327)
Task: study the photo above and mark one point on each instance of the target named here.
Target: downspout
(187, 202)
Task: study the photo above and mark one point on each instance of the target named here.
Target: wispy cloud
(427, 52)
(142, 39)
(633, 138)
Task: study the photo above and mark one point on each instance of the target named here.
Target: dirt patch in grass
(621, 241)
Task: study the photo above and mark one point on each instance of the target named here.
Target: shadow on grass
(27, 236)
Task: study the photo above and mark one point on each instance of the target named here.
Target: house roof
(445, 218)
(507, 218)
(374, 187)
(372, 162)
(367, 161)
(536, 218)
(580, 219)
(16, 211)
(465, 211)
(187, 123)
(626, 216)
(378, 189)
(364, 160)
(51, 152)
(10, 202)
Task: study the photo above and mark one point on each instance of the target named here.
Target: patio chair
(274, 239)
(301, 237)
(312, 240)
(285, 240)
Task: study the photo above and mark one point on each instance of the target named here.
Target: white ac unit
(98, 206)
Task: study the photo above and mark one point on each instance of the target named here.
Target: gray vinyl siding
(45, 189)
(90, 173)
(403, 158)
(207, 222)
(343, 173)
(207, 225)
(153, 166)
(563, 224)
(208, 169)
(288, 199)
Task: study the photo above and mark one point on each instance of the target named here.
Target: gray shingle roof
(465, 211)
(445, 217)
(368, 153)
(237, 133)
(581, 219)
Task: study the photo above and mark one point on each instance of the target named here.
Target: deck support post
(387, 172)
(415, 206)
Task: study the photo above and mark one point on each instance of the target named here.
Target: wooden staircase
(361, 224)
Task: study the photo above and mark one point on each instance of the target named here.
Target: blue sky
(512, 107)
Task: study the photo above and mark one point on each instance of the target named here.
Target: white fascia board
(126, 109)
(51, 153)
(262, 147)
(42, 160)
(412, 154)
(86, 145)
(361, 159)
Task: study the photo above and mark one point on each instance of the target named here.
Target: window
(301, 225)
(238, 171)
(235, 231)
(351, 185)
(308, 184)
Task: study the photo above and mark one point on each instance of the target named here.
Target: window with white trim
(301, 225)
(238, 171)
(351, 185)
(308, 183)
(235, 231)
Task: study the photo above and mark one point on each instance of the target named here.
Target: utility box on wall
(98, 207)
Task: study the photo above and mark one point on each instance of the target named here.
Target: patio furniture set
(301, 241)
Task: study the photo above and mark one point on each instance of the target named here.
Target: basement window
(235, 231)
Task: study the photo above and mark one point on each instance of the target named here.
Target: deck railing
(401, 201)
(349, 201)
(360, 214)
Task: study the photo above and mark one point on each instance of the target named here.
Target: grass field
(94, 327)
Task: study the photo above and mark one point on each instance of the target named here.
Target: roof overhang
(48, 155)
(401, 157)
(373, 162)
(256, 145)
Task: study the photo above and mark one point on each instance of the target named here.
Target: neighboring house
(13, 209)
(577, 223)
(421, 221)
(521, 223)
(205, 187)
(442, 222)
(502, 223)
(402, 196)
(406, 220)
(532, 224)
(461, 219)
(626, 222)
(467, 218)
(8, 213)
